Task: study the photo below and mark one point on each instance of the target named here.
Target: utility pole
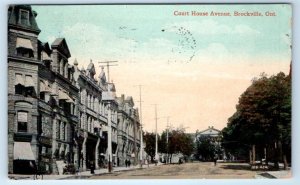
(156, 144)
(167, 140)
(109, 147)
(141, 128)
(108, 64)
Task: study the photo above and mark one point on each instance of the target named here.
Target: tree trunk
(250, 157)
(276, 162)
(285, 162)
(253, 154)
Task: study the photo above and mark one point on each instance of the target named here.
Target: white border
(295, 85)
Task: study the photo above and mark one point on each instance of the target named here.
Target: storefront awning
(23, 151)
(24, 43)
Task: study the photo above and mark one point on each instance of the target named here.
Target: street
(196, 170)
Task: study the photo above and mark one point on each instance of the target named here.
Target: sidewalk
(80, 175)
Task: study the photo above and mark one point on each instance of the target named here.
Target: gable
(210, 132)
(61, 45)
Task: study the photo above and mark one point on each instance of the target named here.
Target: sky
(193, 67)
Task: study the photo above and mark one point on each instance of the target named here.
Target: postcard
(149, 91)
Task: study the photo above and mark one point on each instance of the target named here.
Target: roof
(13, 18)
(210, 131)
(61, 45)
(129, 100)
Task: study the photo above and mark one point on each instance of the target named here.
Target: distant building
(210, 132)
(215, 136)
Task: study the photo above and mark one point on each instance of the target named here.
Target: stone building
(58, 114)
(128, 131)
(92, 129)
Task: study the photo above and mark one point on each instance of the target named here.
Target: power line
(108, 64)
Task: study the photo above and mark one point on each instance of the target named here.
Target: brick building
(56, 114)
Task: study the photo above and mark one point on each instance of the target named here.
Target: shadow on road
(236, 167)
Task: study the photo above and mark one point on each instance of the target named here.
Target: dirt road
(197, 170)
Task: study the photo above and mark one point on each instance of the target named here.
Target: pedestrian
(126, 163)
(129, 163)
(215, 160)
(92, 167)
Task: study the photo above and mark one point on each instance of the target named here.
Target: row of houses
(59, 114)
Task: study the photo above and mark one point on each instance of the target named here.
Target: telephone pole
(141, 127)
(167, 140)
(108, 64)
(156, 144)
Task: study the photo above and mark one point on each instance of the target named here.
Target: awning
(23, 151)
(24, 43)
(70, 100)
(97, 124)
(19, 79)
(45, 56)
(53, 92)
(63, 96)
(44, 87)
(29, 81)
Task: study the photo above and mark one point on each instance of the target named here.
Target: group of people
(127, 163)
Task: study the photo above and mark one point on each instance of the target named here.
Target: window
(22, 121)
(48, 64)
(29, 86)
(65, 136)
(58, 130)
(24, 17)
(19, 84)
(24, 47)
(24, 52)
(42, 96)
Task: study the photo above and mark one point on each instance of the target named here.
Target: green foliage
(207, 147)
(178, 142)
(263, 115)
(149, 139)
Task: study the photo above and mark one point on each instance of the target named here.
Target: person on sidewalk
(92, 167)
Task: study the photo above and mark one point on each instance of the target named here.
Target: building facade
(56, 112)
(128, 131)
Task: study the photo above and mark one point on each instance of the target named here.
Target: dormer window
(24, 17)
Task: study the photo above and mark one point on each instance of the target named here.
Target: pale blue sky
(88, 26)
(195, 68)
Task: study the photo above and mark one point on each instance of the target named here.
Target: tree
(178, 142)
(149, 140)
(263, 118)
(207, 147)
